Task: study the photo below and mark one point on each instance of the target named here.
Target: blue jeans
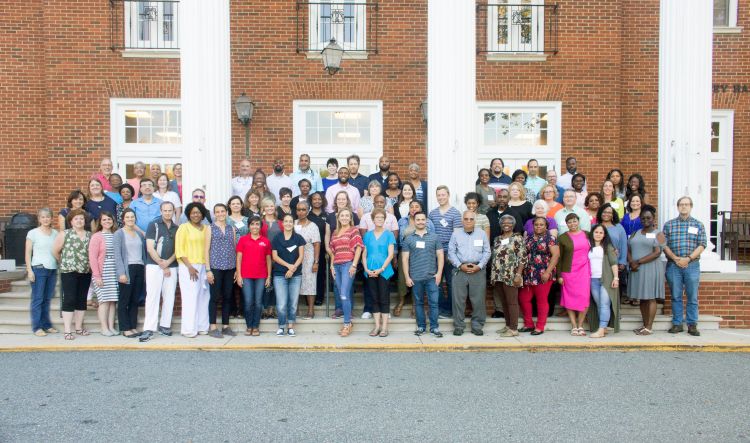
(42, 291)
(344, 284)
(446, 299)
(252, 292)
(418, 290)
(687, 279)
(287, 296)
(337, 299)
(601, 298)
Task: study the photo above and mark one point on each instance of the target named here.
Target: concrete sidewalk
(724, 340)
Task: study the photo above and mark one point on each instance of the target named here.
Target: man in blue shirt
(469, 253)
(356, 179)
(498, 178)
(423, 268)
(146, 207)
(305, 171)
(384, 168)
(446, 219)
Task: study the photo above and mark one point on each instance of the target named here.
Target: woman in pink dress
(575, 273)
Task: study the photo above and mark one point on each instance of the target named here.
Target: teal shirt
(41, 252)
(535, 183)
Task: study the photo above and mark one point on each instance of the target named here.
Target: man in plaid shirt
(686, 239)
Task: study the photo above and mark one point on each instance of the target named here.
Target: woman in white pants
(190, 247)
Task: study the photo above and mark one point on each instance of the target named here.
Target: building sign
(734, 89)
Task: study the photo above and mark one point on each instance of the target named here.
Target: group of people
(531, 238)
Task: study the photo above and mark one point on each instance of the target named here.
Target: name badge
(443, 222)
(614, 205)
(420, 245)
(505, 241)
(291, 248)
(692, 230)
(478, 243)
(651, 235)
(240, 224)
(490, 198)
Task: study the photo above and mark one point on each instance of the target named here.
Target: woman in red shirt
(345, 249)
(253, 273)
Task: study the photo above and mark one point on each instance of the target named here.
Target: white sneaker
(280, 332)
(291, 332)
(366, 315)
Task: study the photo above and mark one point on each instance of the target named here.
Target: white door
(722, 150)
(515, 26)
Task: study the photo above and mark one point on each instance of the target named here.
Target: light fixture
(332, 55)
(423, 108)
(244, 108)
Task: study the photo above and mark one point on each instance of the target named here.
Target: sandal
(574, 332)
(639, 329)
(82, 332)
(248, 332)
(384, 333)
(69, 336)
(374, 332)
(635, 302)
(644, 331)
(256, 332)
(581, 332)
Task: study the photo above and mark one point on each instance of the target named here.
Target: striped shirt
(422, 255)
(343, 245)
(684, 236)
(445, 224)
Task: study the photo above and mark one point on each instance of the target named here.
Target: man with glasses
(469, 252)
(199, 196)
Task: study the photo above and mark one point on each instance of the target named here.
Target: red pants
(540, 292)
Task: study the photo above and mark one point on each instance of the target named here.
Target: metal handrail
(144, 24)
(517, 28)
(354, 26)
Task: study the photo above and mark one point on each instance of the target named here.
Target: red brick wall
(266, 67)
(58, 76)
(731, 66)
(729, 300)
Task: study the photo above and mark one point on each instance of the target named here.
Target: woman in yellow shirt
(190, 247)
(610, 196)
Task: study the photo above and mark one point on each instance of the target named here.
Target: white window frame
(731, 26)
(123, 152)
(514, 31)
(723, 161)
(156, 46)
(516, 157)
(319, 153)
(337, 30)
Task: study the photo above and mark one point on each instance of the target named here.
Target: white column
(206, 98)
(451, 97)
(685, 58)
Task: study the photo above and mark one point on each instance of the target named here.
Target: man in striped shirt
(446, 219)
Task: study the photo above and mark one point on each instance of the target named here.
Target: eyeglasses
(468, 219)
(199, 197)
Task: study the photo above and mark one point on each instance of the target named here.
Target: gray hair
(541, 203)
(414, 166)
(508, 217)
(45, 211)
(374, 182)
(164, 203)
(304, 202)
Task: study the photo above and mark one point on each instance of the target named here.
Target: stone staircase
(14, 317)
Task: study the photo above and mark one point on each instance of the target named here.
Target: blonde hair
(266, 202)
(338, 219)
(521, 190)
(541, 203)
(348, 202)
(554, 191)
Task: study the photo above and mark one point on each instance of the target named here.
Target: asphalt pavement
(227, 396)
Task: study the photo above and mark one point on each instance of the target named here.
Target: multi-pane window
(151, 24)
(152, 126)
(725, 13)
(343, 21)
(515, 128)
(515, 26)
(338, 129)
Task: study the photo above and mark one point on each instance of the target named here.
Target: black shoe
(419, 331)
(477, 331)
(498, 314)
(458, 331)
(165, 331)
(437, 334)
(693, 330)
(146, 336)
(526, 329)
(318, 302)
(675, 329)
(535, 332)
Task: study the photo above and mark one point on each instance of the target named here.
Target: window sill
(360, 55)
(727, 29)
(151, 53)
(516, 57)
